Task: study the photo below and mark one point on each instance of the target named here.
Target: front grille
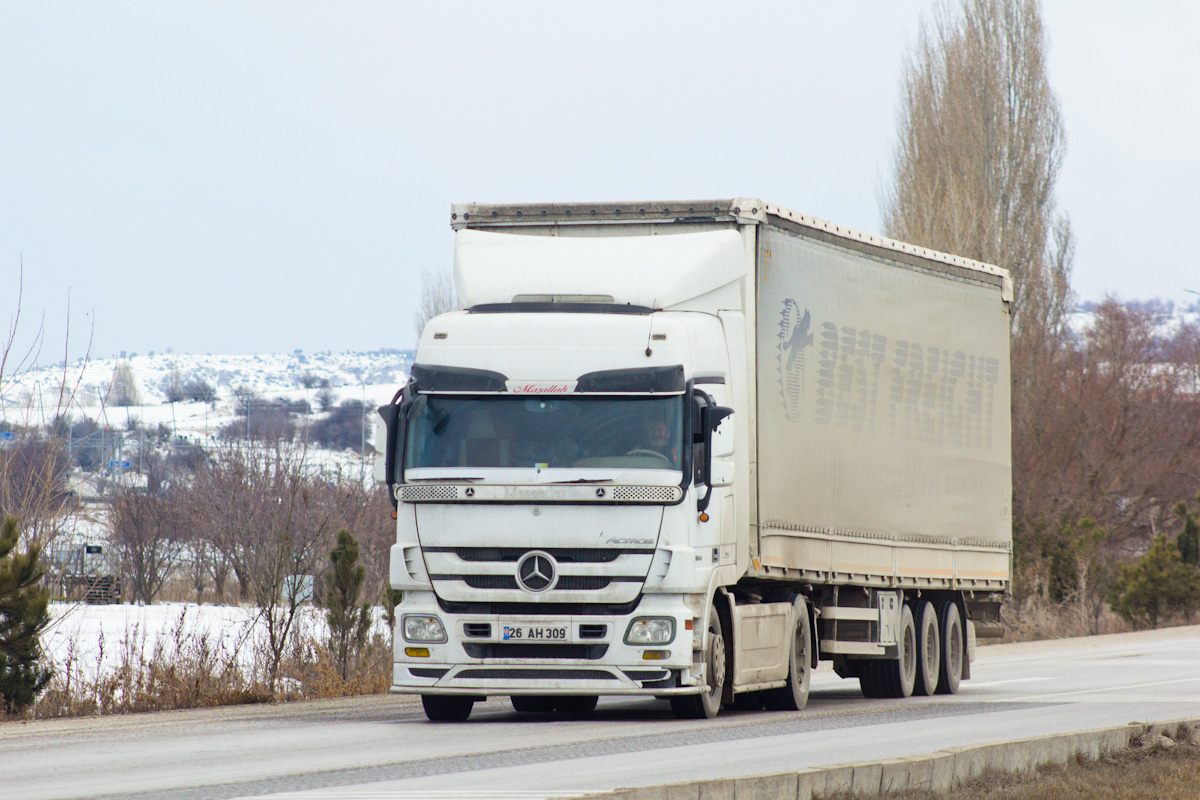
(662, 494)
(481, 581)
(646, 674)
(537, 674)
(566, 583)
(427, 672)
(590, 652)
(536, 609)
(418, 492)
(563, 555)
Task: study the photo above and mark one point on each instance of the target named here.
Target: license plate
(534, 633)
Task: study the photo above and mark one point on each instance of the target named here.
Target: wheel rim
(801, 651)
(716, 663)
(933, 651)
(909, 656)
(954, 649)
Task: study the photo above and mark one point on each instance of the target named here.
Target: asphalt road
(383, 747)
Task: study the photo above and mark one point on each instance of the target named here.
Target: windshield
(546, 432)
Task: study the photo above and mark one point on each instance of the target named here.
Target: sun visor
(653, 271)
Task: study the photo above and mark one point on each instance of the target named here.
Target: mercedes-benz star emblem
(535, 571)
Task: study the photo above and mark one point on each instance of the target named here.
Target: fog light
(656, 655)
(418, 628)
(417, 652)
(650, 630)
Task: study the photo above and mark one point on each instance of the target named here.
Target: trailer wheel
(447, 708)
(794, 696)
(706, 704)
(950, 626)
(533, 704)
(894, 677)
(929, 648)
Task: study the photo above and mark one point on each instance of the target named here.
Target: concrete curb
(937, 772)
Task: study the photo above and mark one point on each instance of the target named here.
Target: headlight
(652, 630)
(418, 628)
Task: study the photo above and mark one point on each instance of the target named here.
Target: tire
(576, 704)
(951, 629)
(894, 677)
(533, 704)
(447, 708)
(869, 679)
(707, 703)
(746, 701)
(794, 696)
(929, 648)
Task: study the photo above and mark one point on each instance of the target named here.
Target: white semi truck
(685, 450)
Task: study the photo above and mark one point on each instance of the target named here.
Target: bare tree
(123, 390)
(145, 531)
(437, 297)
(172, 386)
(1115, 446)
(273, 523)
(35, 460)
(980, 146)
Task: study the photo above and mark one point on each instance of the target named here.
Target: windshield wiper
(586, 480)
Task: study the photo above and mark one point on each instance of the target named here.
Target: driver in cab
(658, 436)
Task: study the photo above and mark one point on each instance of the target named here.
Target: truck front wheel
(706, 704)
(794, 696)
(447, 708)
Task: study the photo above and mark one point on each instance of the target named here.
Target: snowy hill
(33, 397)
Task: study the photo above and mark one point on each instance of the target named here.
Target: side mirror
(723, 435)
(710, 420)
(392, 433)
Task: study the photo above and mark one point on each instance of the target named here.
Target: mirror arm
(395, 421)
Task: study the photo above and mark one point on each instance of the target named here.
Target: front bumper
(473, 664)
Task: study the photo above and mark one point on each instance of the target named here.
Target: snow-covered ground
(91, 639)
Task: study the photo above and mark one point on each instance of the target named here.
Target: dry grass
(1040, 619)
(1155, 772)
(193, 669)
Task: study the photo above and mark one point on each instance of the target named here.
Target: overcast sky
(263, 176)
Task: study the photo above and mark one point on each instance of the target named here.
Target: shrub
(342, 429)
(1158, 587)
(23, 617)
(349, 619)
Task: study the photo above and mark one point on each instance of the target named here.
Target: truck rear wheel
(706, 704)
(794, 696)
(929, 647)
(950, 626)
(447, 708)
